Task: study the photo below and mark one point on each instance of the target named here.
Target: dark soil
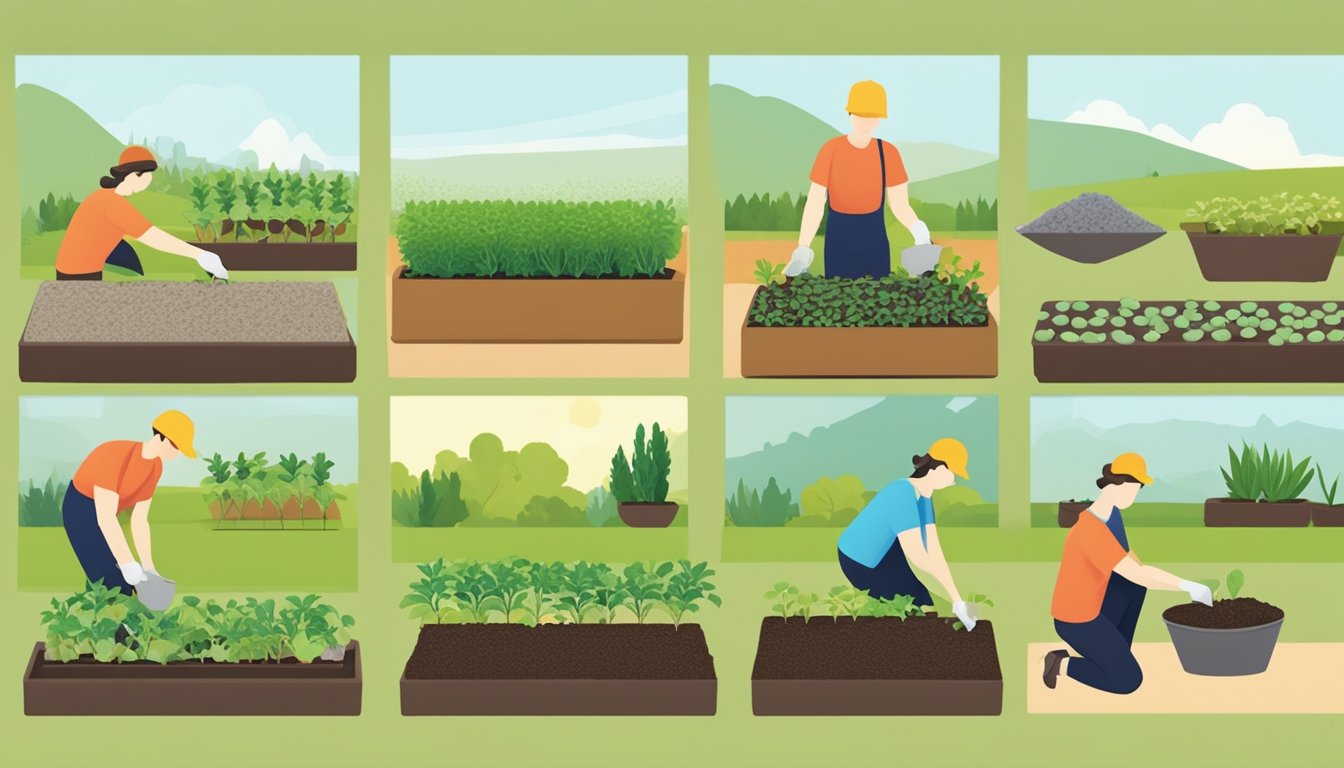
(870, 648)
(1238, 613)
(560, 652)
(666, 274)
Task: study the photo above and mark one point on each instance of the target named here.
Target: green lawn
(188, 548)
(420, 545)
(1023, 545)
(1155, 515)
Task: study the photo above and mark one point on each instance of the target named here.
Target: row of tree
(764, 213)
(828, 502)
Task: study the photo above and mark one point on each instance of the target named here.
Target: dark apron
(856, 243)
(123, 256)
(892, 576)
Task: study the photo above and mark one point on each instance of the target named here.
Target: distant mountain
(61, 149)
(1184, 457)
(1061, 154)
(764, 144)
(876, 444)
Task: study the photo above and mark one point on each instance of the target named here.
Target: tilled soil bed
(158, 331)
(876, 666)
(559, 669)
(1237, 613)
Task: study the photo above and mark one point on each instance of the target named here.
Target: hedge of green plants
(1268, 215)
(894, 301)
(1132, 321)
(503, 238)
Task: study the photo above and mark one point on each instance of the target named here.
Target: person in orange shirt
(105, 219)
(1101, 586)
(855, 177)
(118, 476)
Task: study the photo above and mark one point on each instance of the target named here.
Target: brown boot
(1053, 660)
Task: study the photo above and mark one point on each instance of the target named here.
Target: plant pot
(1231, 513)
(1224, 652)
(1090, 248)
(647, 310)
(1283, 258)
(640, 515)
(1327, 516)
(279, 256)
(944, 352)
(1069, 512)
(193, 688)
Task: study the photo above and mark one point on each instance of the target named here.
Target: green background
(696, 28)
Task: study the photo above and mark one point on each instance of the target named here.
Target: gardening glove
(921, 232)
(1199, 593)
(132, 572)
(964, 612)
(799, 262)
(210, 263)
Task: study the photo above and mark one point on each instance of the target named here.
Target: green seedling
(1233, 583)
(899, 607)
(768, 272)
(1327, 492)
(845, 600)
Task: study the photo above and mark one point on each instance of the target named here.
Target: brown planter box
(1283, 258)
(870, 352)
(647, 515)
(558, 697)
(298, 256)
(1227, 513)
(1069, 512)
(151, 363)
(538, 310)
(188, 688)
(1327, 516)
(1182, 361)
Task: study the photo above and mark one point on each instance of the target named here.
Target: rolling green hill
(61, 148)
(763, 144)
(1067, 154)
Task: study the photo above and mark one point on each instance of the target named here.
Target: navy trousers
(1107, 662)
(891, 576)
(86, 538)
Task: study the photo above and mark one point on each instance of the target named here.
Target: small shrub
(40, 505)
(772, 507)
(643, 477)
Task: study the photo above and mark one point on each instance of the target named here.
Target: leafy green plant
(1268, 214)
(768, 272)
(894, 301)
(973, 598)
(791, 601)
(277, 205)
(1133, 322)
(1229, 588)
(644, 477)
(431, 599)
(900, 607)
(1268, 475)
(845, 600)
(768, 508)
(1327, 492)
(644, 587)
(231, 486)
(40, 505)
(686, 587)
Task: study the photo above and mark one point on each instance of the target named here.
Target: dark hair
(117, 173)
(925, 464)
(157, 433)
(1110, 478)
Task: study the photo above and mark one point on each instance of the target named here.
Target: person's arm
(898, 198)
(162, 241)
(105, 504)
(140, 533)
(931, 560)
(1148, 576)
(813, 212)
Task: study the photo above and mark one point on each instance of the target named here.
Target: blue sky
(211, 103)
(953, 99)
(1188, 92)
(470, 100)
(57, 432)
(1231, 410)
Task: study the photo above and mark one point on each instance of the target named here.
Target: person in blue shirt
(897, 529)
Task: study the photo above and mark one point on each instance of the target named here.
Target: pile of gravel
(170, 312)
(1090, 213)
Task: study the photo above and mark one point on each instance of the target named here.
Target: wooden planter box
(870, 352)
(1227, 513)
(298, 256)
(204, 363)
(538, 310)
(1327, 516)
(1283, 258)
(192, 688)
(1069, 512)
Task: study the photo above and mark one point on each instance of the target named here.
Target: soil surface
(560, 651)
(1238, 613)
(174, 312)
(870, 648)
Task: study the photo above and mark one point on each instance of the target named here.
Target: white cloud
(208, 119)
(1245, 136)
(958, 404)
(273, 144)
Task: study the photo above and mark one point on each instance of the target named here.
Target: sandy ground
(739, 257)
(1302, 678)
(554, 360)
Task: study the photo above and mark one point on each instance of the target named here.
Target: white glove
(799, 262)
(1199, 593)
(132, 572)
(964, 612)
(210, 263)
(921, 232)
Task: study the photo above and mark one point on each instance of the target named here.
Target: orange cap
(135, 154)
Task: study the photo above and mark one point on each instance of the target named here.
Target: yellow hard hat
(1132, 464)
(951, 452)
(176, 426)
(867, 99)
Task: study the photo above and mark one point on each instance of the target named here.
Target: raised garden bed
(1230, 513)
(1271, 238)
(1235, 636)
(1069, 512)
(174, 332)
(1327, 515)
(875, 666)
(1189, 341)
(1264, 489)
(297, 256)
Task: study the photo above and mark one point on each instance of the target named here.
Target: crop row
(240, 204)
(789, 602)
(232, 485)
(1191, 321)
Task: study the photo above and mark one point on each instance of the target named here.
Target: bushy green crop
(893, 301)
(1132, 322)
(1268, 215)
(502, 238)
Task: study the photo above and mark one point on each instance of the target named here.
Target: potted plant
(1070, 510)
(1264, 489)
(107, 654)
(1270, 238)
(640, 482)
(537, 638)
(935, 324)
(1189, 341)
(1236, 636)
(542, 272)
(1328, 513)
(850, 654)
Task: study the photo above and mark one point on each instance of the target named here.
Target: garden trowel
(918, 259)
(155, 592)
